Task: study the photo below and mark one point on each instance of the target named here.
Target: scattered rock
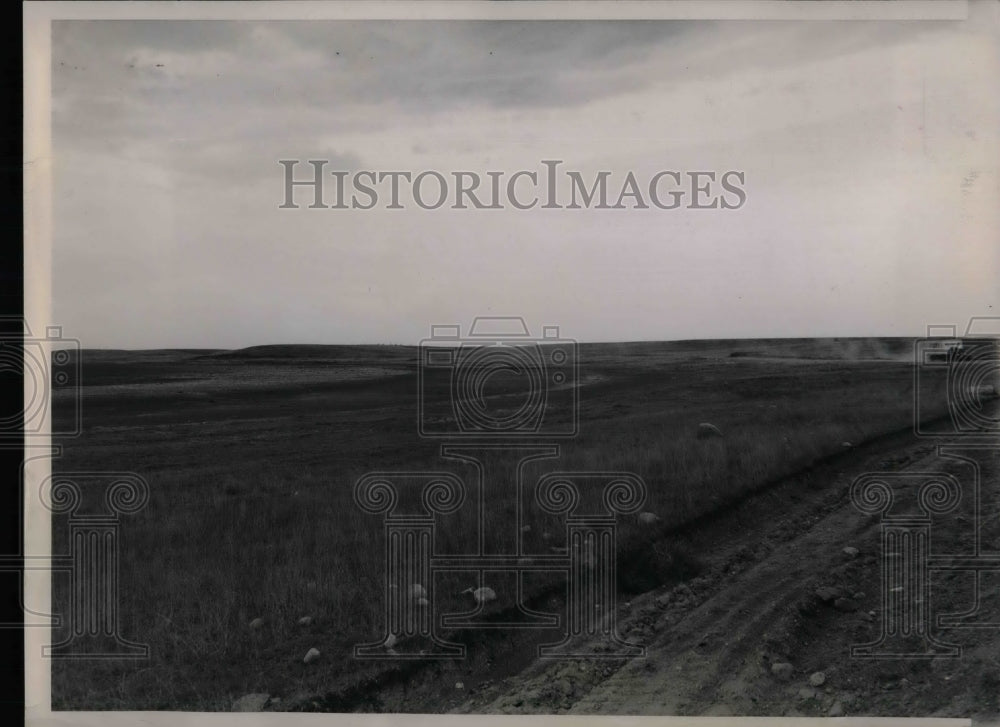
(525, 528)
(837, 710)
(482, 594)
(859, 596)
(817, 679)
(311, 656)
(418, 591)
(782, 670)
(707, 431)
(459, 685)
(305, 620)
(850, 551)
(845, 604)
(807, 693)
(827, 594)
(423, 602)
(257, 623)
(649, 518)
(251, 702)
(846, 445)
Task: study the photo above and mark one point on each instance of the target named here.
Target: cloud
(167, 137)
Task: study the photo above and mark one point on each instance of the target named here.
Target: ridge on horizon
(677, 341)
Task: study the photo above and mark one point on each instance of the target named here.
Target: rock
(459, 685)
(708, 431)
(418, 591)
(423, 602)
(845, 604)
(257, 623)
(850, 551)
(837, 710)
(782, 670)
(827, 594)
(251, 702)
(564, 687)
(859, 596)
(846, 445)
(390, 641)
(807, 693)
(649, 518)
(525, 528)
(817, 679)
(305, 620)
(311, 656)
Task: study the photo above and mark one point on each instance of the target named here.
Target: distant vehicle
(941, 349)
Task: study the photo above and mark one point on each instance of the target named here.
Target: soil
(774, 590)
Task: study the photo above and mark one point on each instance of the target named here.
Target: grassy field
(252, 456)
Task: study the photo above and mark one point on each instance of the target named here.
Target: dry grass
(237, 537)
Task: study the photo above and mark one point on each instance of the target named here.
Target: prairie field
(252, 455)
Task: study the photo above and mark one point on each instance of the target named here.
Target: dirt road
(779, 589)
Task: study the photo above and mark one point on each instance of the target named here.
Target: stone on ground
(707, 431)
(251, 702)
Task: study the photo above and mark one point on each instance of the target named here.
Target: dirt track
(711, 642)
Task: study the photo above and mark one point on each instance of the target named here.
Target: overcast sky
(870, 152)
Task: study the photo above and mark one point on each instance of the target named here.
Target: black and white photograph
(513, 359)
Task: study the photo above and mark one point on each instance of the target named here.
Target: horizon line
(511, 339)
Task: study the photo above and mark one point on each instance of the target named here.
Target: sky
(870, 153)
